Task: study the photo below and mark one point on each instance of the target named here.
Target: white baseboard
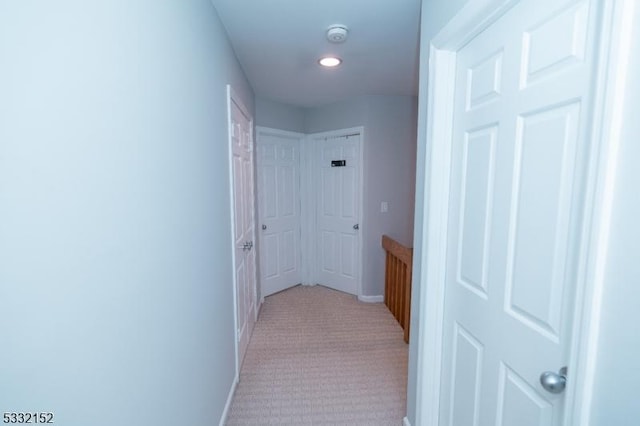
(225, 412)
(371, 299)
(406, 422)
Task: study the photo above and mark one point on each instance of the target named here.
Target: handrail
(405, 254)
(397, 282)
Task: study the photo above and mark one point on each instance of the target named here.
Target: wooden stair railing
(397, 281)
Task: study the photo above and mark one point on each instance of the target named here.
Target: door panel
(519, 151)
(544, 169)
(279, 209)
(477, 201)
(338, 213)
(555, 43)
(519, 403)
(466, 376)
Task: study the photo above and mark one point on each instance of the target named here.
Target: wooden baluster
(387, 279)
(397, 282)
(398, 288)
(403, 302)
(407, 312)
(392, 292)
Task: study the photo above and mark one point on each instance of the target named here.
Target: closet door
(240, 132)
(338, 212)
(278, 164)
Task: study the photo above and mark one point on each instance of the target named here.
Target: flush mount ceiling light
(330, 61)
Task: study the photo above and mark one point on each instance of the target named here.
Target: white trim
(254, 189)
(307, 207)
(371, 299)
(311, 166)
(472, 19)
(230, 96)
(225, 412)
(615, 37)
(277, 132)
(430, 343)
(614, 51)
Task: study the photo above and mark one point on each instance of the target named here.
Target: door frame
(233, 98)
(262, 130)
(613, 45)
(311, 182)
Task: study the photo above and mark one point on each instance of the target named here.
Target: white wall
(277, 115)
(618, 371)
(338, 115)
(115, 261)
(389, 170)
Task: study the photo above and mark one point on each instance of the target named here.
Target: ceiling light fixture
(330, 61)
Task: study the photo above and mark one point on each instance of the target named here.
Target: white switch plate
(384, 207)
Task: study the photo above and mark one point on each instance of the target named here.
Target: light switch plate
(384, 207)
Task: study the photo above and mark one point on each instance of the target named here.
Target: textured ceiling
(278, 43)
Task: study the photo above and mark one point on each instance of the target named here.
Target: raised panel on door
(328, 188)
(270, 244)
(519, 151)
(289, 246)
(477, 181)
(241, 280)
(348, 253)
(519, 403)
(328, 252)
(288, 196)
(239, 206)
(278, 165)
(546, 144)
(466, 377)
(268, 195)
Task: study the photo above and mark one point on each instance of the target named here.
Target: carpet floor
(320, 357)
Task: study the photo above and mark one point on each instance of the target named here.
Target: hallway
(318, 356)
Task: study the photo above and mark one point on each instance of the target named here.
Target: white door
(279, 209)
(337, 217)
(520, 144)
(245, 261)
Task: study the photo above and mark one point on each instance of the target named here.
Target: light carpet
(320, 357)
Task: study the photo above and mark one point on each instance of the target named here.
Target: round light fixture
(330, 61)
(337, 33)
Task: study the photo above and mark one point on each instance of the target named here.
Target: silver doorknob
(356, 226)
(264, 227)
(554, 382)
